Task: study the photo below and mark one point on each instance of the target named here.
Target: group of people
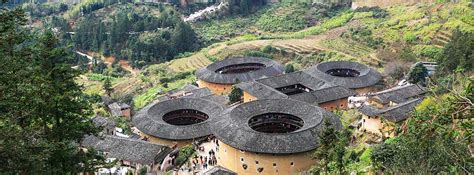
(205, 161)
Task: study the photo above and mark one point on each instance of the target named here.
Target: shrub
(377, 11)
(268, 49)
(256, 53)
(184, 153)
(410, 37)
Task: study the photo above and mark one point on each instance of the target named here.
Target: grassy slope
(426, 22)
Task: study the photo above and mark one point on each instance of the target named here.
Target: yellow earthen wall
(336, 104)
(372, 124)
(248, 97)
(231, 158)
(217, 89)
(365, 90)
(170, 143)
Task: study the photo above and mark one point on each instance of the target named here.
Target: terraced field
(189, 63)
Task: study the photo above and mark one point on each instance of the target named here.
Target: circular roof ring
(276, 126)
(239, 69)
(345, 73)
(178, 119)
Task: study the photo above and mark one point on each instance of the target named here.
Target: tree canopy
(43, 112)
(436, 139)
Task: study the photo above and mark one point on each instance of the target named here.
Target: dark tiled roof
(302, 78)
(103, 121)
(149, 120)
(233, 128)
(323, 91)
(324, 95)
(395, 113)
(185, 88)
(203, 93)
(115, 109)
(366, 78)
(218, 170)
(399, 94)
(209, 73)
(369, 110)
(128, 149)
(217, 99)
(261, 91)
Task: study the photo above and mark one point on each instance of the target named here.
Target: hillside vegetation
(398, 35)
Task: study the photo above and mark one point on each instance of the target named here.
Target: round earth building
(177, 122)
(220, 76)
(270, 136)
(352, 75)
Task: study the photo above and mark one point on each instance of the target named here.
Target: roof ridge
(388, 109)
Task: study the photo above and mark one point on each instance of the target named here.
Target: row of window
(274, 164)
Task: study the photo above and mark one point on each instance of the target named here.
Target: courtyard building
(220, 76)
(299, 86)
(273, 136)
(177, 122)
(352, 75)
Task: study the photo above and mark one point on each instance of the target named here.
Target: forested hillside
(59, 60)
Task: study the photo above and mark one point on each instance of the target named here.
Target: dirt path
(110, 60)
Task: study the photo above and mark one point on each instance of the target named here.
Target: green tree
(43, 112)
(458, 53)
(244, 7)
(436, 139)
(235, 95)
(289, 68)
(107, 86)
(418, 74)
(331, 150)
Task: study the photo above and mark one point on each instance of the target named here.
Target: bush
(410, 37)
(376, 11)
(289, 68)
(268, 49)
(184, 153)
(235, 95)
(256, 53)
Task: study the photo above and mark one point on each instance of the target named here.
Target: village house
(120, 110)
(131, 153)
(107, 124)
(396, 95)
(382, 121)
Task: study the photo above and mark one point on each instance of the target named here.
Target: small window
(274, 164)
(292, 163)
(256, 162)
(241, 159)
